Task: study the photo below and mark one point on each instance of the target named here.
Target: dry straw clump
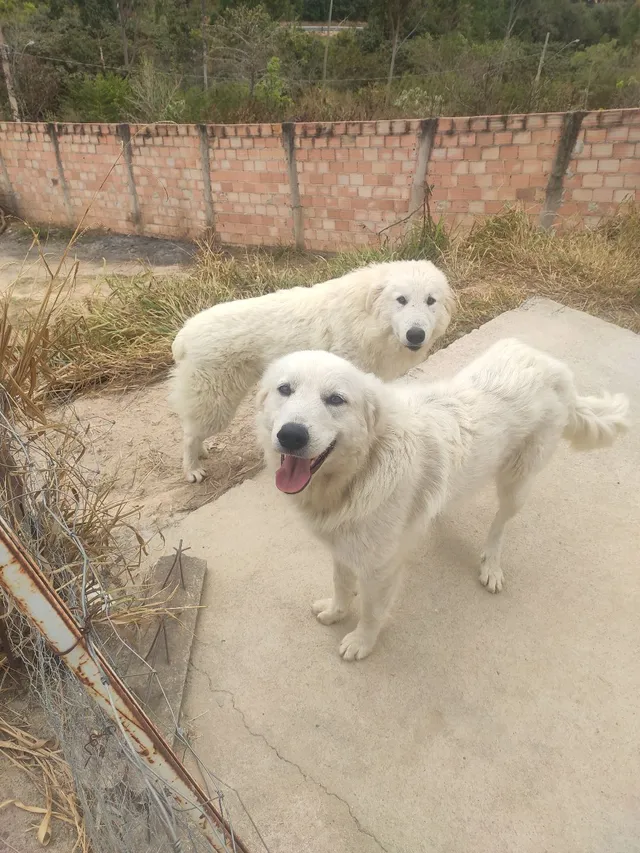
(124, 338)
(42, 761)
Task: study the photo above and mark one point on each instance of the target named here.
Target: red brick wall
(87, 153)
(605, 171)
(354, 179)
(481, 164)
(249, 183)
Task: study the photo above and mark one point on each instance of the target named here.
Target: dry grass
(42, 761)
(507, 260)
(124, 338)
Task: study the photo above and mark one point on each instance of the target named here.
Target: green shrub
(270, 92)
(101, 98)
(155, 95)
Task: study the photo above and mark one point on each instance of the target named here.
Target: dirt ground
(132, 436)
(97, 255)
(135, 438)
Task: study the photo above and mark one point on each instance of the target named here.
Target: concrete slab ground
(480, 724)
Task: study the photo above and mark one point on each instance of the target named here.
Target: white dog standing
(384, 318)
(371, 463)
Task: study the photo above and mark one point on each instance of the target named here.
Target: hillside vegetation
(207, 61)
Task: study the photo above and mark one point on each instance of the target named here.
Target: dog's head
(414, 299)
(316, 417)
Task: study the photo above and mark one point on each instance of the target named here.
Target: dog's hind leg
(193, 452)
(213, 420)
(377, 592)
(331, 610)
(206, 403)
(513, 485)
(511, 496)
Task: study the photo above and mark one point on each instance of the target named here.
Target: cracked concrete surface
(240, 819)
(492, 724)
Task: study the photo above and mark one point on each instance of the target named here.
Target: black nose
(293, 436)
(415, 336)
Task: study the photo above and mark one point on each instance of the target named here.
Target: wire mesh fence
(81, 546)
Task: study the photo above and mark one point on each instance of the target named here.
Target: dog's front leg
(377, 591)
(331, 610)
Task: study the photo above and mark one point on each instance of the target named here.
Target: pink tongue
(293, 475)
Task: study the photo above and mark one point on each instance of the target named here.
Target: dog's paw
(195, 476)
(490, 575)
(326, 612)
(356, 646)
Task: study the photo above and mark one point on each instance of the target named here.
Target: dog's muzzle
(415, 337)
(293, 437)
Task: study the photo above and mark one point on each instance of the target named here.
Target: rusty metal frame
(36, 599)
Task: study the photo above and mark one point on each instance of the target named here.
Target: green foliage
(243, 40)
(343, 10)
(278, 10)
(17, 10)
(300, 54)
(630, 27)
(95, 13)
(602, 76)
(155, 95)
(418, 101)
(271, 90)
(350, 60)
(104, 98)
(453, 57)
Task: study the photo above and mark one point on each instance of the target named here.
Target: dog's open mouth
(295, 472)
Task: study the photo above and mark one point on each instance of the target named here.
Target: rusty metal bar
(34, 596)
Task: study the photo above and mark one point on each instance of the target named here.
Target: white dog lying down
(384, 318)
(370, 464)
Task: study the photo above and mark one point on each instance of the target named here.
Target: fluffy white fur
(402, 450)
(222, 352)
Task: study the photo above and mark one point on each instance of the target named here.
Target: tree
(124, 10)
(630, 27)
(243, 40)
(204, 23)
(278, 10)
(401, 17)
(8, 78)
(95, 14)
(11, 11)
(343, 10)
(514, 9)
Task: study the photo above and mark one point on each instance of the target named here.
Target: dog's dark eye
(430, 300)
(285, 389)
(402, 300)
(334, 400)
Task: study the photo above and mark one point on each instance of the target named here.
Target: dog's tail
(597, 421)
(178, 348)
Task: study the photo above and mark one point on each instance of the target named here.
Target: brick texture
(355, 178)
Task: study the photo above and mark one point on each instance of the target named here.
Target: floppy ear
(451, 304)
(261, 396)
(373, 295)
(373, 405)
